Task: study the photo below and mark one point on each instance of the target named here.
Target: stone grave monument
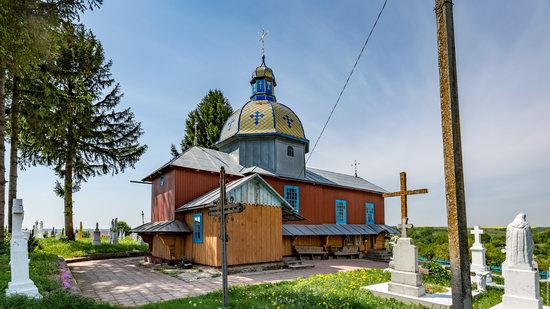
(406, 278)
(479, 267)
(19, 257)
(97, 236)
(521, 278)
(40, 233)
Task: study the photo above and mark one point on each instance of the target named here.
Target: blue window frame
(341, 212)
(369, 212)
(292, 196)
(197, 228)
(260, 86)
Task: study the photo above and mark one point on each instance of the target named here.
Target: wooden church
(289, 209)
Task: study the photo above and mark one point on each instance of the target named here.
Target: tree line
(59, 103)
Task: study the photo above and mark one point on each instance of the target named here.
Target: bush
(437, 274)
(123, 226)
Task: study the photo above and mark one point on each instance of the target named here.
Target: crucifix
(403, 193)
(477, 234)
(222, 208)
(263, 35)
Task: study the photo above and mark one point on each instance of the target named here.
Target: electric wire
(347, 80)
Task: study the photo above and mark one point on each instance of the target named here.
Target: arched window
(290, 151)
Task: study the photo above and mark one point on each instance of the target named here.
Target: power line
(347, 80)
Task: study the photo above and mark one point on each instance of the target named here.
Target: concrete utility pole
(452, 151)
(223, 229)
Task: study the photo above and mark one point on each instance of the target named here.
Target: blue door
(369, 211)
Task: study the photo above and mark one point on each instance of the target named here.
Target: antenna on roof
(355, 163)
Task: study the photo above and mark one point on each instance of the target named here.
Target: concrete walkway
(123, 282)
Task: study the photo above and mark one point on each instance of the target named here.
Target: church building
(288, 208)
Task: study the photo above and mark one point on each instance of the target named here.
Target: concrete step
(300, 266)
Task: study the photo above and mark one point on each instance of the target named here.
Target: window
(290, 151)
(369, 211)
(292, 196)
(161, 180)
(260, 86)
(197, 228)
(341, 212)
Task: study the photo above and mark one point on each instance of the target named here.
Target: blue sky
(168, 54)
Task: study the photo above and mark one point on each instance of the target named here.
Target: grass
(43, 269)
(83, 247)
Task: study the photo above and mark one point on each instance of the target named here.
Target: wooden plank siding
(255, 236)
(163, 197)
(317, 202)
(168, 246)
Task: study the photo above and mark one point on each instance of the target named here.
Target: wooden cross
(404, 226)
(477, 234)
(355, 165)
(403, 194)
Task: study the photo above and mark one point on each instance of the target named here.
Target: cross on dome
(257, 116)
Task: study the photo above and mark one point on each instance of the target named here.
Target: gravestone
(479, 267)
(406, 278)
(97, 236)
(521, 279)
(40, 233)
(19, 257)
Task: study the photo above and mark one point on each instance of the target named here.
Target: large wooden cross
(403, 194)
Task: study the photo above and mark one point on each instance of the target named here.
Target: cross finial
(355, 163)
(263, 35)
(404, 226)
(477, 234)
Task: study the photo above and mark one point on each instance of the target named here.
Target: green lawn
(83, 247)
(340, 290)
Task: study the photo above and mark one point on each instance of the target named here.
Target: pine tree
(76, 128)
(209, 116)
(26, 28)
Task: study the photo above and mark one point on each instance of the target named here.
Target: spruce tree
(76, 127)
(209, 116)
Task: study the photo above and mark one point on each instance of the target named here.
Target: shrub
(437, 274)
(123, 226)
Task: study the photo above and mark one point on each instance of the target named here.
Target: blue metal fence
(494, 268)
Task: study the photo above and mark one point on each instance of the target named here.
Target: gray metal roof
(174, 226)
(341, 180)
(211, 160)
(336, 229)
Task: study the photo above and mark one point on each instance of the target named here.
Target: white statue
(40, 233)
(521, 279)
(519, 243)
(19, 257)
(113, 239)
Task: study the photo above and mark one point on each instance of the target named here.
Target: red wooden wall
(317, 202)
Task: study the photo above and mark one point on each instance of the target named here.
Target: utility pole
(223, 231)
(452, 151)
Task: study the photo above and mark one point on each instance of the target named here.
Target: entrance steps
(378, 256)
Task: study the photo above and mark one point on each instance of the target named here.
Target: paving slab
(123, 282)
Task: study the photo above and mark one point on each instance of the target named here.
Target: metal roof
(174, 226)
(336, 229)
(205, 159)
(341, 180)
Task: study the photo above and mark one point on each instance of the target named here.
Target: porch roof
(336, 229)
(173, 226)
